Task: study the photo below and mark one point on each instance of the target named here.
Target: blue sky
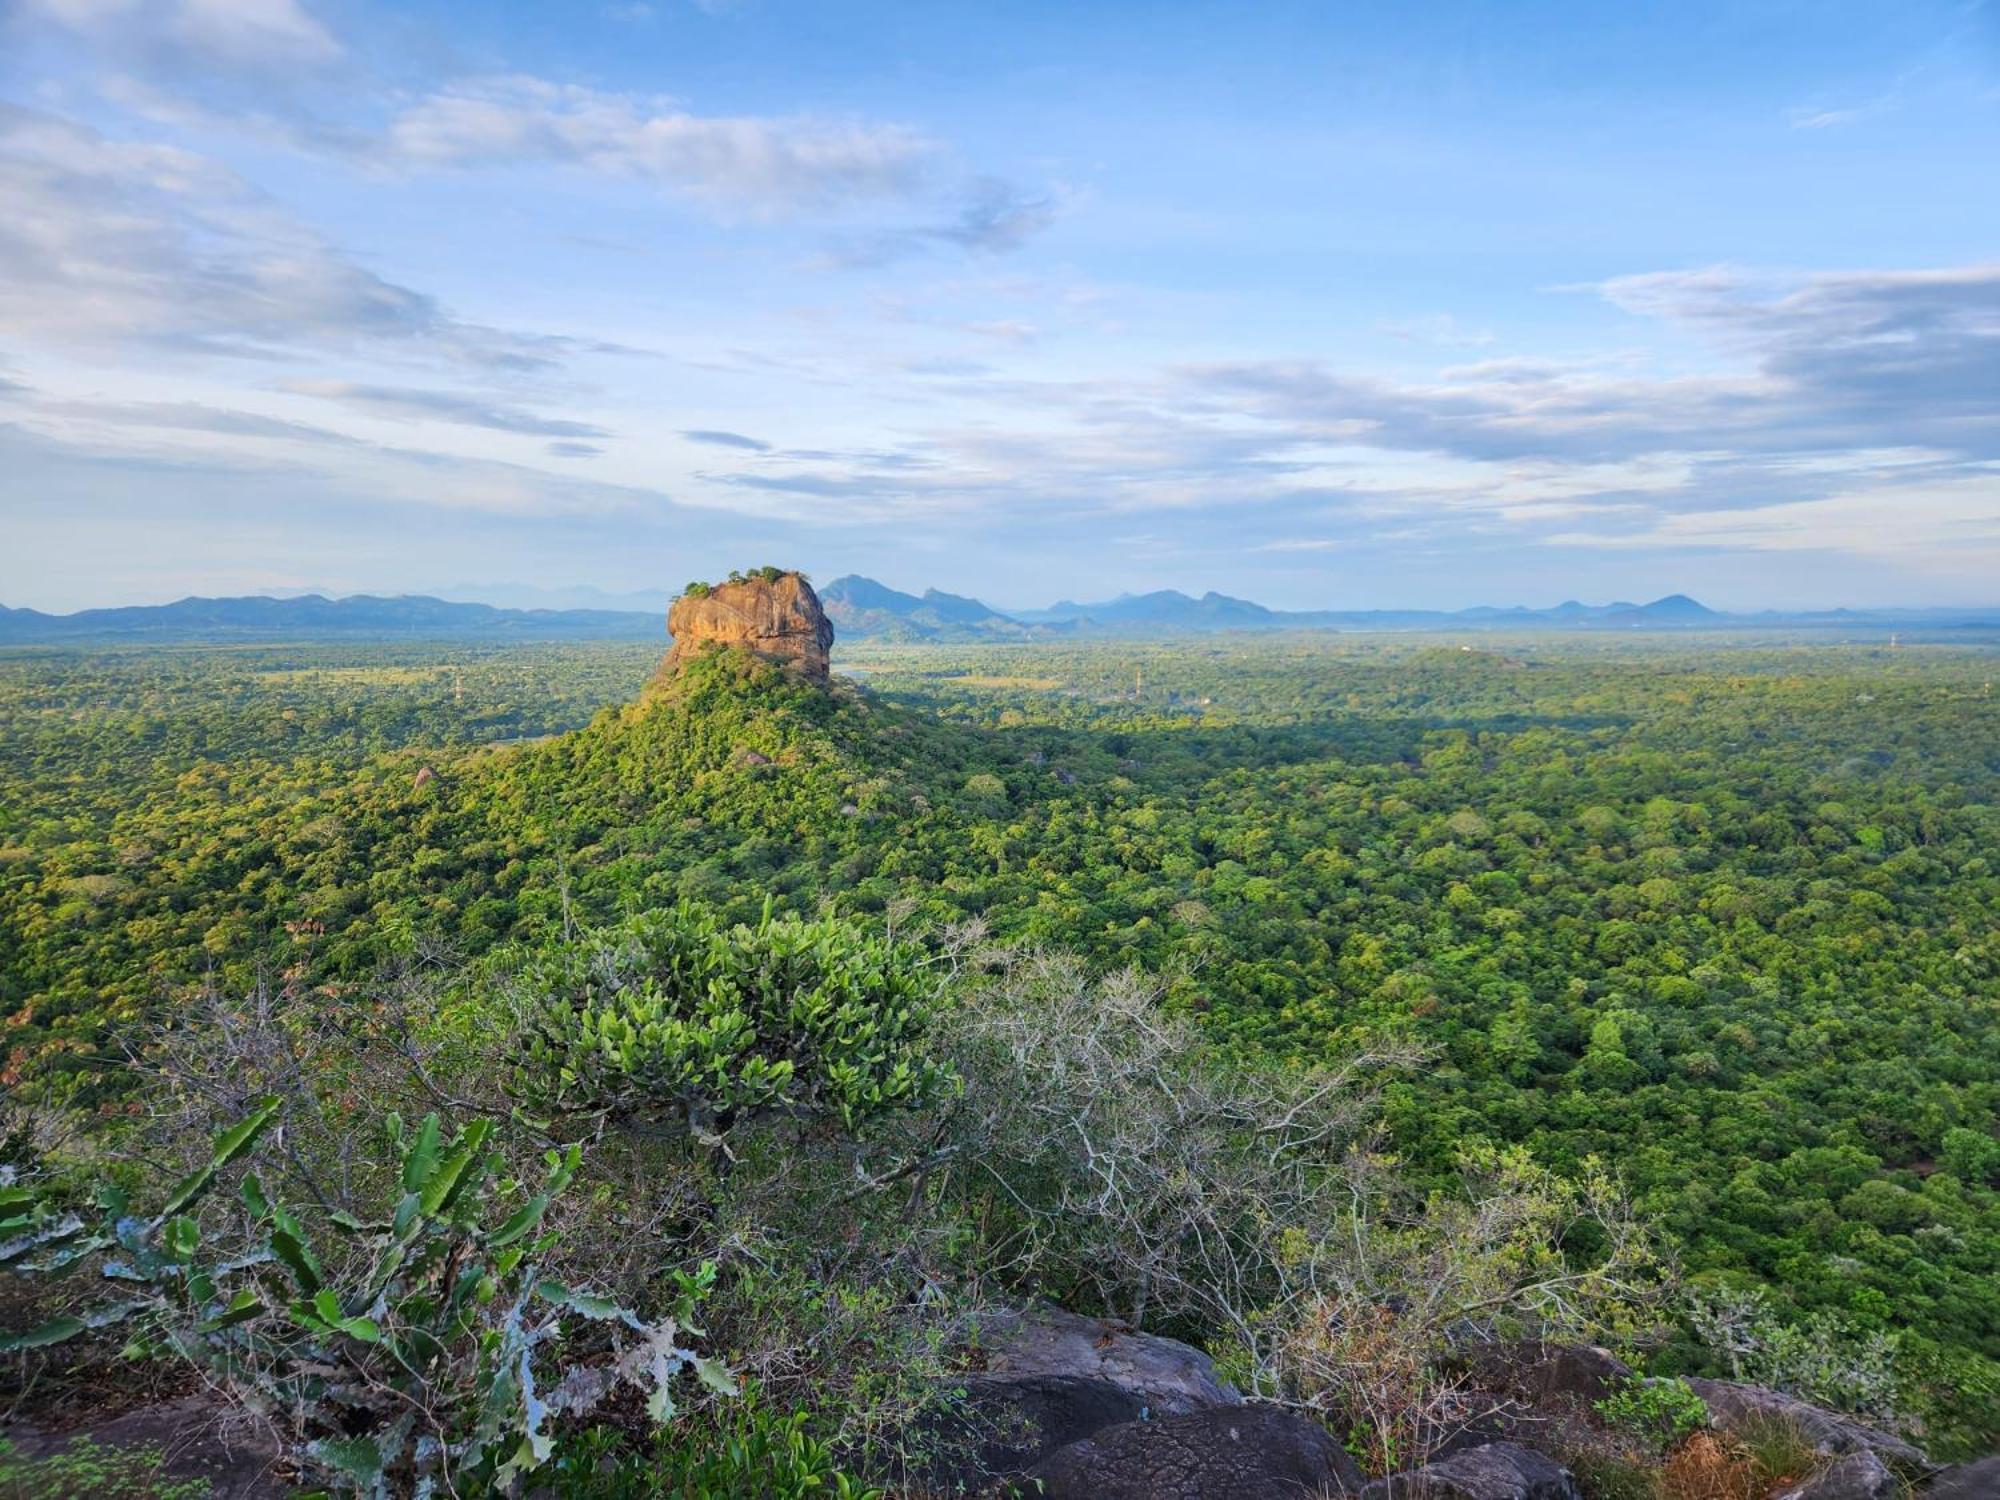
(1326, 305)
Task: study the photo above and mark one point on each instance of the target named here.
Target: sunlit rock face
(778, 618)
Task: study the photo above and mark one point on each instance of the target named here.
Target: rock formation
(772, 614)
(1494, 1471)
(1169, 1377)
(1223, 1453)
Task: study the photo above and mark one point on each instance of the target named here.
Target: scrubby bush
(1117, 1158)
(1659, 1413)
(1822, 1359)
(412, 1351)
(752, 1454)
(675, 1019)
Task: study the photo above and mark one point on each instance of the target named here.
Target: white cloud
(107, 241)
(402, 403)
(248, 31)
(750, 163)
(235, 35)
(1953, 524)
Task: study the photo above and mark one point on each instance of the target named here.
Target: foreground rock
(198, 1441)
(1735, 1407)
(1973, 1481)
(1000, 1428)
(1170, 1378)
(1547, 1377)
(1852, 1476)
(1496, 1471)
(778, 618)
(1224, 1453)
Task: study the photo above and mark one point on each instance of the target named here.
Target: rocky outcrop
(1973, 1481)
(1564, 1377)
(1496, 1471)
(1852, 1476)
(775, 616)
(200, 1444)
(1169, 1377)
(1733, 1407)
(1224, 1453)
(997, 1429)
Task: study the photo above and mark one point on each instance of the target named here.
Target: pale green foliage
(1657, 1412)
(1822, 1359)
(1129, 1164)
(407, 1356)
(675, 1018)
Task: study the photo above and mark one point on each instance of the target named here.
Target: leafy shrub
(1823, 1359)
(1656, 1412)
(754, 1454)
(408, 1356)
(84, 1468)
(674, 1017)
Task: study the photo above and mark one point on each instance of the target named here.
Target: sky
(1347, 305)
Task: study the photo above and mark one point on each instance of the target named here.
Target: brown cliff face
(778, 618)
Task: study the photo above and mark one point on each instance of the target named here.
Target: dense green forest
(1721, 914)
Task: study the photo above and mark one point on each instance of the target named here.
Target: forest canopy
(1720, 915)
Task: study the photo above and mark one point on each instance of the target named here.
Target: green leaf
(289, 1245)
(229, 1145)
(55, 1331)
(244, 1306)
(421, 1160)
(455, 1172)
(182, 1238)
(714, 1375)
(525, 1218)
(358, 1459)
(365, 1330)
(585, 1304)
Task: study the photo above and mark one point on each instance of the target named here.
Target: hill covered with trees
(1716, 919)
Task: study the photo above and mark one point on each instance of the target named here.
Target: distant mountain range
(311, 616)
(863, 609)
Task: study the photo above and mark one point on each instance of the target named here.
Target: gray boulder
(1169, 1377)
(999, 1428)
(1973, 1481)
(1852, 1476)
(1732, 1407)
(1497, 1471)
(198, 1439)
(1223, 1453)
(1558, 1377)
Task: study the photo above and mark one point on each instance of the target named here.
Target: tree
(676, 1019)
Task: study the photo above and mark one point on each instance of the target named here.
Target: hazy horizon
(589, 597)
(1355, 309)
